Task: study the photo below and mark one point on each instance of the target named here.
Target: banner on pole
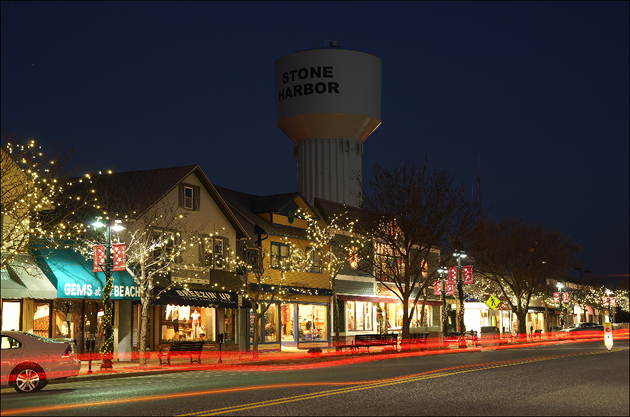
(120, 257)
(99, 258)
(437, 288)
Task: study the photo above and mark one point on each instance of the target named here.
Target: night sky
(538, 90)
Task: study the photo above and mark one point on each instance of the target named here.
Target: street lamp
(443, 273)
(610, 317)
(460, 294)
(107, 349)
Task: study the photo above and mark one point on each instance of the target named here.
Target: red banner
(565, 297)
(450, 288)
(604, 301)
(120, 257)
(556, 297)
(99, 258)
(437, 288)
(452, 274)
(612, 301)
(467, 275)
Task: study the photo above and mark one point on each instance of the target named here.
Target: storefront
(301, 323)
(27, 297)
(78, 310)
(198, 314)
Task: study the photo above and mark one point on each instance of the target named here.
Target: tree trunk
(406, 318)
(257, 316)
(336, 312)
(144, 324)
(521, 314)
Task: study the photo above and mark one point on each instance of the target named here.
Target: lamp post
(560, 286)
(610, 317)
(107, 348)
(443, 272)
(460, 294)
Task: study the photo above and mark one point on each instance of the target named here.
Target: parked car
(580, 329)
(30, 361)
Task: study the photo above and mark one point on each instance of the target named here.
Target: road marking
(379, 384)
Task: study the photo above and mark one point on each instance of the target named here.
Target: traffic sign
(608, 339)
(493, 302)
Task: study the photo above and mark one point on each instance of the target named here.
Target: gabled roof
(143, 189)
(248, 207)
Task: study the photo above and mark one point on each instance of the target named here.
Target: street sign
(493, 302)
(608, 339)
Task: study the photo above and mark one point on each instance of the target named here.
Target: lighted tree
(336, 243)
(518, 258)
(36, 208)
(413, 211)
(266, 275)
(159, 243)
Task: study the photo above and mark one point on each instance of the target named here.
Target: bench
(416, 339)
(367, 340)
(453, 337)
(182, 349)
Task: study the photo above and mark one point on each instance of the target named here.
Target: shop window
(279, 254)
(41, 319)
(359, 315)
(184, 323)
(228, 329)
(271, 324)
(313, 323)
(68, 322)
(11, 318)
(287, 316)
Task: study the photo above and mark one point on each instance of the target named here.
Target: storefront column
(27, 315)
(123, 329)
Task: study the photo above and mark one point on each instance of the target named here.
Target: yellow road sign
(493, 302)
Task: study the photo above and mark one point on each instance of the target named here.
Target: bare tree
(414, 212)
(36, 209)
(519, 258)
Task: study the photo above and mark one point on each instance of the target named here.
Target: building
(299, 301)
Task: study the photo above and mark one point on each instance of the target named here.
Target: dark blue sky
(539, 90)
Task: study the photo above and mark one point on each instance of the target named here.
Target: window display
(11, 315)
(359, 315)
(41, 319)
(312, 322)
(287, 322)
(271, 324)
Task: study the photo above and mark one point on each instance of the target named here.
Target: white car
(30, 361)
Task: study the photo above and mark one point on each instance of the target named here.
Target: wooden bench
(368, 340)
(453, 337)
(417, 339)
(181, 349)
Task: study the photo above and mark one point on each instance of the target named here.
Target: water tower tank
(328, 101)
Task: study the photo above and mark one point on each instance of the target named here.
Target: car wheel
(28, 378)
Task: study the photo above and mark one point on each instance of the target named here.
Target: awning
(540, 309)
(73, 277)
(22, 278)
(198, 298)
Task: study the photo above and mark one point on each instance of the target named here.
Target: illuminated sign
(608, 339)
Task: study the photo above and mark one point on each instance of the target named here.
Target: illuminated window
(359, 315)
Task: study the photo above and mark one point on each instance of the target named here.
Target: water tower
(328, 101)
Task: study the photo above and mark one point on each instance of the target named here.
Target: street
(557, 379)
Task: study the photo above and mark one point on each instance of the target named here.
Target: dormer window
(189, 196)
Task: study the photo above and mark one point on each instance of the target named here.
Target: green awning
(22, 278)
(73, 277)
